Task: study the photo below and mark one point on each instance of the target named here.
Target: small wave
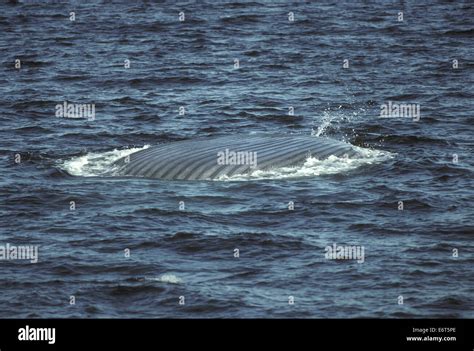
(460, 33)
(165, 278)
(253, 53)
(95, 164)
(242, 19)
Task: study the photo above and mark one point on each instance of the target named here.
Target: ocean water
(123, 247)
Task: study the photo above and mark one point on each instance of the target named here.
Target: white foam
(95, 164)
(316, 167)
(166, 278)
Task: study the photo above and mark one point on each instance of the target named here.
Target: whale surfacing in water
(214, 157)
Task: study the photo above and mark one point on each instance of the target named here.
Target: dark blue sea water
(284, 65)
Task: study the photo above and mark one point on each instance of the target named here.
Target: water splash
(327, 120)
(336, 120)
(96, 164)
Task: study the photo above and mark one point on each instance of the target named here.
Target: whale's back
(214, 157)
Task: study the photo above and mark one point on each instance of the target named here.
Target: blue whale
(214, 157)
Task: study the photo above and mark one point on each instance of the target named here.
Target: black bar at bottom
(62, 334)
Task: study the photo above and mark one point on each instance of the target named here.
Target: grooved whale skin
(197, 159)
